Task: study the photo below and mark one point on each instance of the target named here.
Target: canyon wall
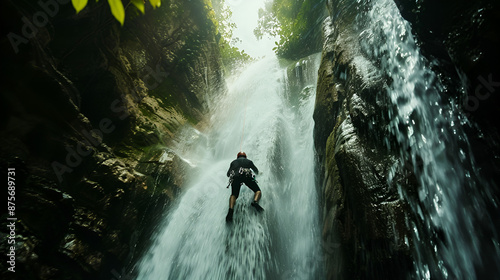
(366, 232)
(88, 109)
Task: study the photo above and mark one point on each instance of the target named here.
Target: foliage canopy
(231, 55)
(295, 22)
(217, 12)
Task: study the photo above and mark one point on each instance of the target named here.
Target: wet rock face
(463, 37)
(86, 109)
(461, 33)
(363, 215)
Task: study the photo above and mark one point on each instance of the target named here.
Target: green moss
(191, 119)
(129, 151)
(167, 92)
(169, 95)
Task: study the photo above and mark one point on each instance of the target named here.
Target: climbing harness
(243, 172)
(246, 172)
(231, 179)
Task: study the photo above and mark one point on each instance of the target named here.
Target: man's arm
(254, 168)
(229, 170)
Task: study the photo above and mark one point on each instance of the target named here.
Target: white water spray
(283, 241)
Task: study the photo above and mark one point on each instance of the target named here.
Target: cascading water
(450, 221)
(283, 241)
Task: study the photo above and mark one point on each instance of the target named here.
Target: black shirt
(241, 162)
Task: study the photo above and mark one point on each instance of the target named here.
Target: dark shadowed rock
(84, 104)
(463, 37)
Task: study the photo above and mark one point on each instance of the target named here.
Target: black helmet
(241, 154)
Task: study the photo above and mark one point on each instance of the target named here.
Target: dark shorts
(236, 185)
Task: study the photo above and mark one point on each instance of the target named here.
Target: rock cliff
(463, 37)
(363, 216)
(88, 109)
(365, 221)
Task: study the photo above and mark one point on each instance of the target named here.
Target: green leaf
(155, 3)
(79, 4)
(117, 10)
(139, 4)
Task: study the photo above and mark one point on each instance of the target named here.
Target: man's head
(241, 154)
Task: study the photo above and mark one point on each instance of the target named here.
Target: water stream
(276, 122)
(453, 236)
(452, 232)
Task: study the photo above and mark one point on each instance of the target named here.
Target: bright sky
(245, 15)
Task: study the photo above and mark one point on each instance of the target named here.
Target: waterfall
(282, 242)
(452, 232)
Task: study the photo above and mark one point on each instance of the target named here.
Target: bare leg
(257, 196)
(256, 199)
(232, 201)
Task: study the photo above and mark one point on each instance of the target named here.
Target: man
(240, 172)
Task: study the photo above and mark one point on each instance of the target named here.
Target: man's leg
(257, 193)
(232, 201)
(256, 196)
(229, 216)
(235, 191)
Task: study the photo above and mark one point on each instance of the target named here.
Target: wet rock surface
(363, 215)
(88, 108)
(463, 37)
(365, 222)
